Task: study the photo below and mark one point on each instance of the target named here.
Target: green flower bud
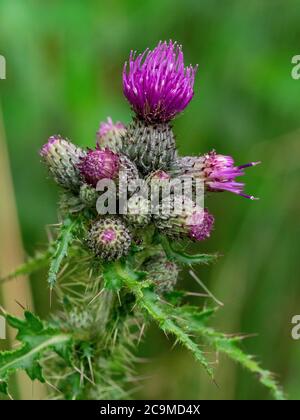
(109, 239)
(62, 158)
(88, 195)
(162, 272)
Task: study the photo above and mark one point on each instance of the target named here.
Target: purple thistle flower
(220, 174)
(200, 225)
(179, 217)
(156, 83)
(217, 171)
(99, 164)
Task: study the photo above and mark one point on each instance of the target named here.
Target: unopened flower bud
(109, 239)
(70, 203)
(179, 218)
(62, 158)
(110, 135)
(88, 195)
(162, 272)
(99, 164)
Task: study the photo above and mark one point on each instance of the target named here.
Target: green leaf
(194, 321)
(36, 337)
(184, 258)
(113, 276)
(61, 246)
(187, 321)
(112, 281)
(229, 346)
(33, 264)
(158, 311)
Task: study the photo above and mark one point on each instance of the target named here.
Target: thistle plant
(112, 273)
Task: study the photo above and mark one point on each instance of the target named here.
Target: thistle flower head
(62, 157)
(217, 172)
(200, 224)
(109, 239)
(157, 84)
(220, 174)
(110, 135)
(163, 273)
(180, 217)
(99, 164)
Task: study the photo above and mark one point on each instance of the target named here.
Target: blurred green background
(64, 65)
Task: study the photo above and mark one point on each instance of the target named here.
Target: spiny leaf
(230, 348)
(61, 247)
(112, 281)
(181, 321)
(150, 302)
(184, 258)
(194, 323)
(36, 337)
(33, 264)
(113, 276)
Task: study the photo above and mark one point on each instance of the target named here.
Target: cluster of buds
(158, 87)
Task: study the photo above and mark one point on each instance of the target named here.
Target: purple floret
(200, 225)
(220, 174)
(45, 149)
(109, 126)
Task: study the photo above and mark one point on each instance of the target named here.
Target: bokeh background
(64, 65)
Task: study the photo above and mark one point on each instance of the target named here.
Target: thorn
(216, 384)
(197, 294)
(53, 387)
(97, 295)
(196, 278)
(119, 298)
(10, 397)
(91, 369)
(3, 310)
(141, 333)
(20, 304)
(83, 374)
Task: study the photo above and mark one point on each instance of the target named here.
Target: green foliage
(93, 337)
(194, 321)
(186, 321)
(244, 55)
(183, 258)
(112, 280)
(36, 338)
(33, 264)
(61, 246)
